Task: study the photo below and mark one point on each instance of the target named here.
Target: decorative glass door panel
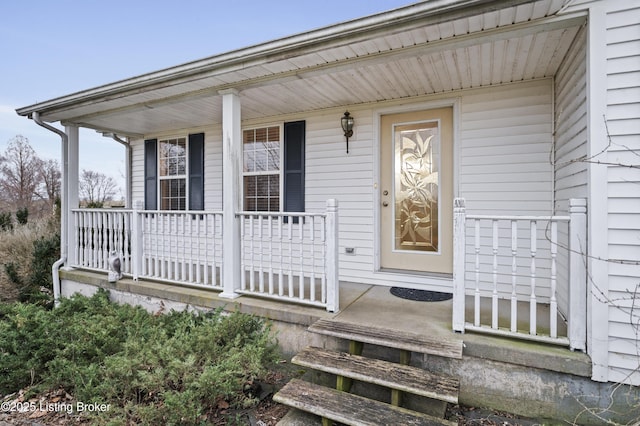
(416, 186)
(416, 191)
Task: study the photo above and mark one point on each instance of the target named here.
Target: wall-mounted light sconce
(347, 125)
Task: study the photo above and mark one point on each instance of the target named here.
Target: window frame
(279, 172)
(184, 176)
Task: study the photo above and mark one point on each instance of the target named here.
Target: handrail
(514, 217)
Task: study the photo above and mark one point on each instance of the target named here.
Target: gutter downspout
(55, 269)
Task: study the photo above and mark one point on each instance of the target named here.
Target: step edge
(454, 352)
(441, 396)
(326, 412)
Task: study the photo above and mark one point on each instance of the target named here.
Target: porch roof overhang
(461, 44)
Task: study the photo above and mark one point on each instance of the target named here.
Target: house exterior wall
(570, 140)
(623, 203)
(613, 63)
(502, 146)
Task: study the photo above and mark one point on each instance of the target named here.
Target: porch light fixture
(347, 125)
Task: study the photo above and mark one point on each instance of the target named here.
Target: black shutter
(196, 171)
(151, 174)
(294, 140)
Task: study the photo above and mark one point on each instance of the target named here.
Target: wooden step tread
(349, 409)
(392, 375)
(450, 348)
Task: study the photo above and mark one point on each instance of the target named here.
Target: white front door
(416, 191)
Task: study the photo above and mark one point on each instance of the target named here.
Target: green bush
(22, 216)
(5, 221)
(26, 256)
(166, 369)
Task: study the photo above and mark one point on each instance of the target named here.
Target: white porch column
(459, 243)
(231, 184)
(332, 266)
(596, 250)
(577, 274)
(73, 178)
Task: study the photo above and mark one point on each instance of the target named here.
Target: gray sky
(52, 48)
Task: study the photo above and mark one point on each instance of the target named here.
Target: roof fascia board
(417, 14)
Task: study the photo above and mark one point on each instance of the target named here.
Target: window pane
(273, 134)
(173, 194)
(173, 157)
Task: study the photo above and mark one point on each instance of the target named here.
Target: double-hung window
(174, 173)
(273, 168)
(172, 176)
(261, 178)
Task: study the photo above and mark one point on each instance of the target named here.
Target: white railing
(518, 274)
(290, 256)
(287, 256)
(98, 232)
(182, 247)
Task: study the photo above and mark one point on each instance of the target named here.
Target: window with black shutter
(273, 168)
(174, 173)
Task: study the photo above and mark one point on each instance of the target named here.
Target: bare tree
(19, 172)
(96, 188)
(50, 181)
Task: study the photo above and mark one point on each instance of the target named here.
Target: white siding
(623, 119)
(570, 143)
(505, 169)
(505, 141)
(503, 146)
(571, 126)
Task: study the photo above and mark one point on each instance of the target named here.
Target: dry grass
(16, 247)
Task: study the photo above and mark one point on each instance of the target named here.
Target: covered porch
(512, 78)
(514, 276)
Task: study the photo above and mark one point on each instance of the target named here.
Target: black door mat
(420, 295)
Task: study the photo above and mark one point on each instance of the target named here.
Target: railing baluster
(271, 257)
(252, 284)
(260, 255)
(494, 296)
(243, 253)
(312, 278)
(301, 277)
(281, 253)
(290, 237)
(476, 307)
(553, 304)
(532, 298)
(96, 230)
(514, 271)
(323, 240)
(183, 259)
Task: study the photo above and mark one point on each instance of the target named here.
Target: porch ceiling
(392, 57)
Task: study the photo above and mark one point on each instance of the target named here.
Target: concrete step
(388, 374)
(450, 348)
(349, 409)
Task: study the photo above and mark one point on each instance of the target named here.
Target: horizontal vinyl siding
(137, 170)
(332, 173)
(623, 122)
(505, 140)
(570, 118)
